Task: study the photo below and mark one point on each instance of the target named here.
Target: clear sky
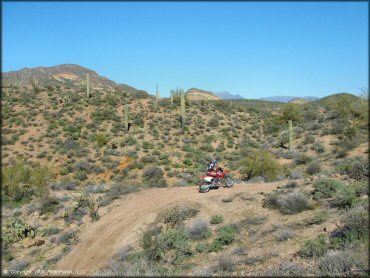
(247, 48)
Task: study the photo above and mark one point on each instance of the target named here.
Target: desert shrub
(359, 169)
(261, 163)
(345, 197)
(313, 168)
(296, 174)
(188, 162)
(309, 139)
(156, 244)
(101, 140)
(319, 148)
(356, 168)
(291, 184)
(361, 188)
(295, 202)
(50, 230)
(319, 217)
(123, 253)
(68, 238)
(217, 219)
(153, 177)
(285, 234)
(227, 262)
(175, 239)
(302, 159)
(226, 235)
(199, 230)
(314, 247)
(286, 269)
(271, 199)
(326, 188)
(147, 145)
(291, 111)
(337, 263)
(356, 219)
(65, 184)
(255, 220)
(176, 215)
(95, 188)
(21, 181)
(203, 247)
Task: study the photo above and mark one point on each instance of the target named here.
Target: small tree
(291, 111)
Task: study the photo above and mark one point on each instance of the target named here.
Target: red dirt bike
(209, 182)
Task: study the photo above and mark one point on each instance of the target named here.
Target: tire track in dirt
(100, 240)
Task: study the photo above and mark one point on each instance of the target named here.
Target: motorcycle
(209, 182)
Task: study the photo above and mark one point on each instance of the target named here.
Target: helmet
(214, 161)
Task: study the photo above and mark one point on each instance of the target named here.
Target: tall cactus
(290, 134)
(16, 80)
(171, 93)
(88, 85)
(182, 109)
(157, 97)
(126, 117)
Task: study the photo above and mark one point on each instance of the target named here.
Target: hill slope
(69, 75)
(198, 94)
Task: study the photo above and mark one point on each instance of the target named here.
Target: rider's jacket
(211, 167)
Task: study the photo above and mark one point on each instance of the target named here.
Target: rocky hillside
(72, 171)
(198, 94)
(67, 75)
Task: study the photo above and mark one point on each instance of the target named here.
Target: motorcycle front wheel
(229, 182)
(203, 188)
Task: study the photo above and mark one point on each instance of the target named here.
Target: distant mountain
(198, 94)
(66, 75)
(288, 98)
(227, 95)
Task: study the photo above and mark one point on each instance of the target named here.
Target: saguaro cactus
(88, 85)
(290, 134)
(157, 97)
(171, 93)
(182, 109)
(16, 80)
(126, 117)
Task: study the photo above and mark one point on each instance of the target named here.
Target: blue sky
(247, 48)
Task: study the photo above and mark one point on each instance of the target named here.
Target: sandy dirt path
(100, 240)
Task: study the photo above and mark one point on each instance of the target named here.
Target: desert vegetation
(70, 152)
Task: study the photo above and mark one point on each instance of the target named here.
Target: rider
(211, 168)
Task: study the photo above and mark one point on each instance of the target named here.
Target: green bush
(291, 111)
(101, 140)
(357, 168)
(313, 168)
(345, 197)
(199, 230)
(153, 177)
(294, 202)
(176, 215)
(356, 219)
(314, 247)
(326, 188)
(21, 181)
(261, 163)
(225, 236)
(188, 162)
(217, 219)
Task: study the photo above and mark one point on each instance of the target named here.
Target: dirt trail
(100, 240)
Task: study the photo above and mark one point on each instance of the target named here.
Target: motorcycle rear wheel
(204, 188)
(229, 182)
